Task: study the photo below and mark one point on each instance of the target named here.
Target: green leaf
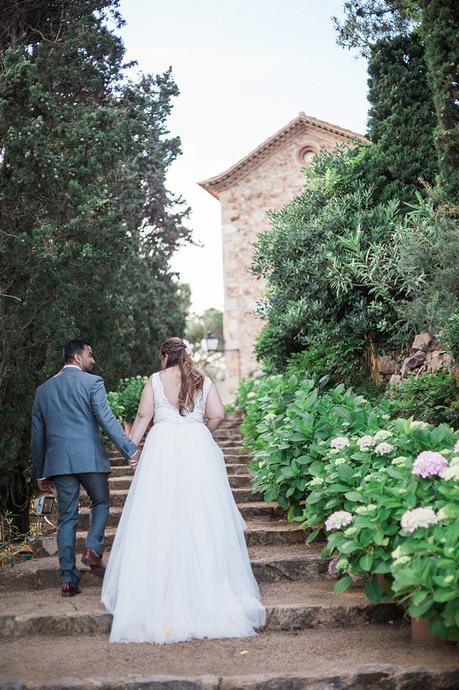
(366, 561)
(373, 590)
(441, 595)
(354, 497)
(343, 584)
(312, 535)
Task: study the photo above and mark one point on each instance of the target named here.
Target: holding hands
(133, 461)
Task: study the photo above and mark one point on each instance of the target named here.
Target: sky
(244, 69)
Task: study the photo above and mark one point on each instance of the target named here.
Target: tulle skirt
(179, 567)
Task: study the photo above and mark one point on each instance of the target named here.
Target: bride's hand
(133, 462)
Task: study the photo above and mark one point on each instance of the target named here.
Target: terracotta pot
(128, 427)
(420, 632)
(382, 580)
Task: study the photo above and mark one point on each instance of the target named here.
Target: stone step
(124, 481)
(227, 432)
(118, 496)
(231, 455)
(359, 676)
(314, 659)
(248, 510)
(237, 458)
(259, 531)
(232, 468)
(290, 606)
(292, 562)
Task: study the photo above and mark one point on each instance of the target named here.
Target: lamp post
(211, 341)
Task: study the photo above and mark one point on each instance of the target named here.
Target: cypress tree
(401, 119)
(440, 33)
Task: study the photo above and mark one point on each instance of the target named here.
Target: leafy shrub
(430, 397)
(116, 407)
(348, 275)
(452, 334)
(289, 422)
(425, 574)
(128, 394)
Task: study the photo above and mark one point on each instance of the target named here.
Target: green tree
(440, 32)
(436, 22)
(87, 226)
(401, 120)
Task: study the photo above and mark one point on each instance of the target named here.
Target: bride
(179, 567)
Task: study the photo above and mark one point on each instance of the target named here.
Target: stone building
(265, 179)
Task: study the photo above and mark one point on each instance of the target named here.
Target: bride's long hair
(192, 379)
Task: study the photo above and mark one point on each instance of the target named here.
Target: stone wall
(426, 355)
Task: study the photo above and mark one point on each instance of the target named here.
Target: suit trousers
(68, 498)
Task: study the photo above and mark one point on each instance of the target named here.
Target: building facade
(265, 179)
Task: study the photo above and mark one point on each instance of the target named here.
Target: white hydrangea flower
(317, 481)
(419, 425)
(366, 442)
(399, 460)
(339, 519)
(454, 462)
(250, 395)
(340, 461)
(419, 517)
(339, 442)
(451, 472)
(384, 448)
(381, 435)
(402, 560)
(397, 553)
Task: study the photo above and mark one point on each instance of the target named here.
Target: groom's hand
(134, 460)
(45, 484)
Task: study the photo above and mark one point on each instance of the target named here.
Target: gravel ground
(311, 652)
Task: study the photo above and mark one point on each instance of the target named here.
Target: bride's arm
(215, 412)
(144, 413)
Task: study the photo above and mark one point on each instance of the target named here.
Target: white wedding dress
(179, 567)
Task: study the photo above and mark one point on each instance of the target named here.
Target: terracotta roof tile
(226, 179)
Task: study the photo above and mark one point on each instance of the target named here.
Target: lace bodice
(166, 412)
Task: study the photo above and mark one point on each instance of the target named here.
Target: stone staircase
(313, 638)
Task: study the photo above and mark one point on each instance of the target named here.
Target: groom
(68, 450)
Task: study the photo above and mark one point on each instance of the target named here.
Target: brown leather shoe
(69, 589)
(94, 561)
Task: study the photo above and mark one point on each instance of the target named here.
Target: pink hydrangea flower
(429, 464)
(339, 442)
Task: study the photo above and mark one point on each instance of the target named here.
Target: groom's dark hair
(72, 348)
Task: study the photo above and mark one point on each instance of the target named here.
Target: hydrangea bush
(291, 425)
(384, 490)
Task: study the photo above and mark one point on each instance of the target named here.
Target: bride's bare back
(170, 380)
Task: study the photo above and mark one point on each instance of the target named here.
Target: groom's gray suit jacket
(67, 412)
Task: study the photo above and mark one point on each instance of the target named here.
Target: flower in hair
(188, 347)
